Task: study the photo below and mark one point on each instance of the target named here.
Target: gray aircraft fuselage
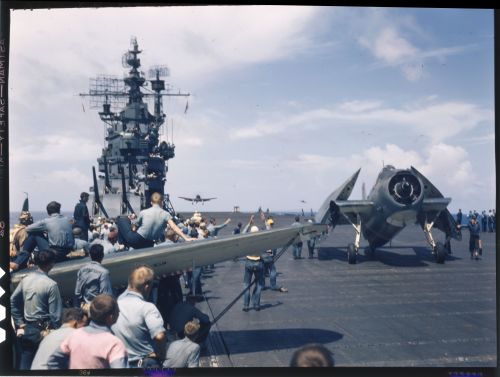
(397, 196)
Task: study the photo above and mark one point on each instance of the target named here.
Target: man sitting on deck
(151, 225)
(59, 237)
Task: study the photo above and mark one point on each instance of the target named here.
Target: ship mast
(133, 152)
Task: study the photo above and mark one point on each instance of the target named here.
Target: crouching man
(185, 353)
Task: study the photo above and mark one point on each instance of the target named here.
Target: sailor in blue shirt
(36, 305)
(184, 353)
(140, 325)
(151, 225)
(92, 279)
(81, 215)
(475, 245)
(59, 236)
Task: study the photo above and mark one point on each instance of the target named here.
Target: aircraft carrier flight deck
(398, 308)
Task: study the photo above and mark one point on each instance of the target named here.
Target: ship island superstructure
(133, 163)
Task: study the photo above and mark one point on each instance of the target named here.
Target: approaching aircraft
(196, 199)
(399, 197)
(177, 257)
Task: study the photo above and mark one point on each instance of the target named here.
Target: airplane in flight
(398, 198)
(197, 199)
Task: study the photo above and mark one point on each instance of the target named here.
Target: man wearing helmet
(18, 234)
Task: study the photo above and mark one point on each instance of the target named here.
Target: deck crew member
(253, 267)
(297, 247)
(475, 245)
(36, 306)
(269, 264)
(72, 319)
(140, 325)
(237, 230)
(93, 346)
(184, 353)
(18, 235)
(183, 312)
(82, 217)
(92, 279)
(59, 236)
(151, 225)
(169, 291)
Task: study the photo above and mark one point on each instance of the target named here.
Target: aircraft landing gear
(353, 248)
(440, 252)
(351, 253)
(438, 248)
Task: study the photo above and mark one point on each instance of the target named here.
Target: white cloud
(393, 41)
(437, 121)
(450, 165)
(413, 72)
(446, 166)
(389, 46)
(50, 148)
(359, 106)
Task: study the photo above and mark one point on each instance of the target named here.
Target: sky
(286, 103)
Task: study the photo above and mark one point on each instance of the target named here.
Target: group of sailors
(131, 330)
(486, 220)
(129, 324)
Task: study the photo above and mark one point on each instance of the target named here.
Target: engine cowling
(405, 188)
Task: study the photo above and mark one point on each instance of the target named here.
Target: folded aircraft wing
(178, 257)
(327, 212)
(434, 208)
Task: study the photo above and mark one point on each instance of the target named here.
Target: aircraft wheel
(351, 253)
(440, 252)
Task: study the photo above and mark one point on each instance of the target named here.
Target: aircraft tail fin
(26, 206)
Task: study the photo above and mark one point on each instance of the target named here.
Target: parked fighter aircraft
(196, 199)
(177, 257)
(399, 197)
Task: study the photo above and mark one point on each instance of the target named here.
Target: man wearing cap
(59, 236)
(18, 234)
(253, 267)
(82, 217)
